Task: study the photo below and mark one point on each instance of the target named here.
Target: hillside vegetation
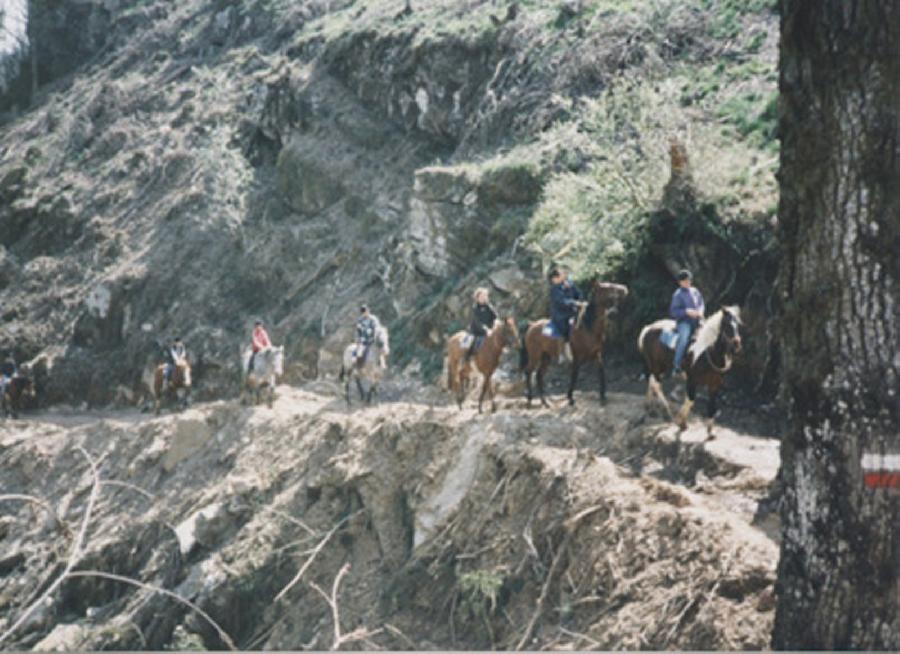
(195, 165)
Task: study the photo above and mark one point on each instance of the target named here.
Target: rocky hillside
(183, 168)
(410, 525)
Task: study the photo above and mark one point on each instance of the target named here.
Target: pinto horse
(18, 391)
(705, 363)
(486, 358)
(178, 388)
(586, 338)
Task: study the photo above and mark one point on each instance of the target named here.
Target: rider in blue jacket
(687, 310)
(565, 299)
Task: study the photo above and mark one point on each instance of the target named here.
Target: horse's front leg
(493, 390)
(347, 390)
(682, 418)
(362, 392)
(573, 378)
(484, 390)
(602, 373)
(528, 392)
(711, 414)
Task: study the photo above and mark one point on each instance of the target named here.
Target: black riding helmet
(684, 274)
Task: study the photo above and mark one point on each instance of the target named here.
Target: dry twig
(358, 634)
(313, 554)
(156, 589)
(74, 554)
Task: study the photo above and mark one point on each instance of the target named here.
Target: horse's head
(607, 294)
(183, 374)
(729, 331)
(278, 359)
(382, 339)
(510, 332)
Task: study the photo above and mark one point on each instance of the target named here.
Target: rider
(258, 341)
(367, 326)
(174, 355)
(687, 310)
(483, 318)
(8, 370)
(565, 300)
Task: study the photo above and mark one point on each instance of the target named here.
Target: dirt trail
(592, 526)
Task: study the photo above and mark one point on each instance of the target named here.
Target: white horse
(368, 368)
(268, 365)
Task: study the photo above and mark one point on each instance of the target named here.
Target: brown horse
(486, 358)
(586, 338)
(705, 363)
(180, 381)
(18, 391)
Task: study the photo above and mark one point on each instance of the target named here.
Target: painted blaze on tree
(839, 223)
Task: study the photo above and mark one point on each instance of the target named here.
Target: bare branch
(156, 589)
(74, 555)
(313, 555)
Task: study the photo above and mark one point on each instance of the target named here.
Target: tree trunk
(839, 223)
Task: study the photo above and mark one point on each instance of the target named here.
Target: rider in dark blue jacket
(565, 298)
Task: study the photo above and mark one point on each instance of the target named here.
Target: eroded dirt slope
(577, 527)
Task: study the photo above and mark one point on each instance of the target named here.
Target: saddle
(550, 330)
(669, 338)
(468, 339)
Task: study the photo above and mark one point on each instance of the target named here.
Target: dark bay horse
(18, 391)
(705, 363)
(586, 339)
(486, 359)
(179, 387)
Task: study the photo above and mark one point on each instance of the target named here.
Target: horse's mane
(709, 332)
(589, 313)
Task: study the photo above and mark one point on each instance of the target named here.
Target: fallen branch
(74, 555)
(313, 554)
(551, 575)
(360, 633)
(156, 589)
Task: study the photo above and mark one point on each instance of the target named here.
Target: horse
(586, 338)
(705, 363)
(268, 365)
(18, 391)
(486, 358)
(369, 369)
(179, 387)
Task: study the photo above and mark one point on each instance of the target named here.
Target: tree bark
(839, 224)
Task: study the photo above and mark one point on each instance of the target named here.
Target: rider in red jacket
(259, 341)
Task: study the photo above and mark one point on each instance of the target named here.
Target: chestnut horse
(705, 363)
(179, 387)
(18, 390)
(486, 358)
(586, 338)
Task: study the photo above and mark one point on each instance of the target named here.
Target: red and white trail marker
(881, 470)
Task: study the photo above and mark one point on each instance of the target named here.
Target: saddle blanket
(669, 338)
(550, 330)
(466, 342)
